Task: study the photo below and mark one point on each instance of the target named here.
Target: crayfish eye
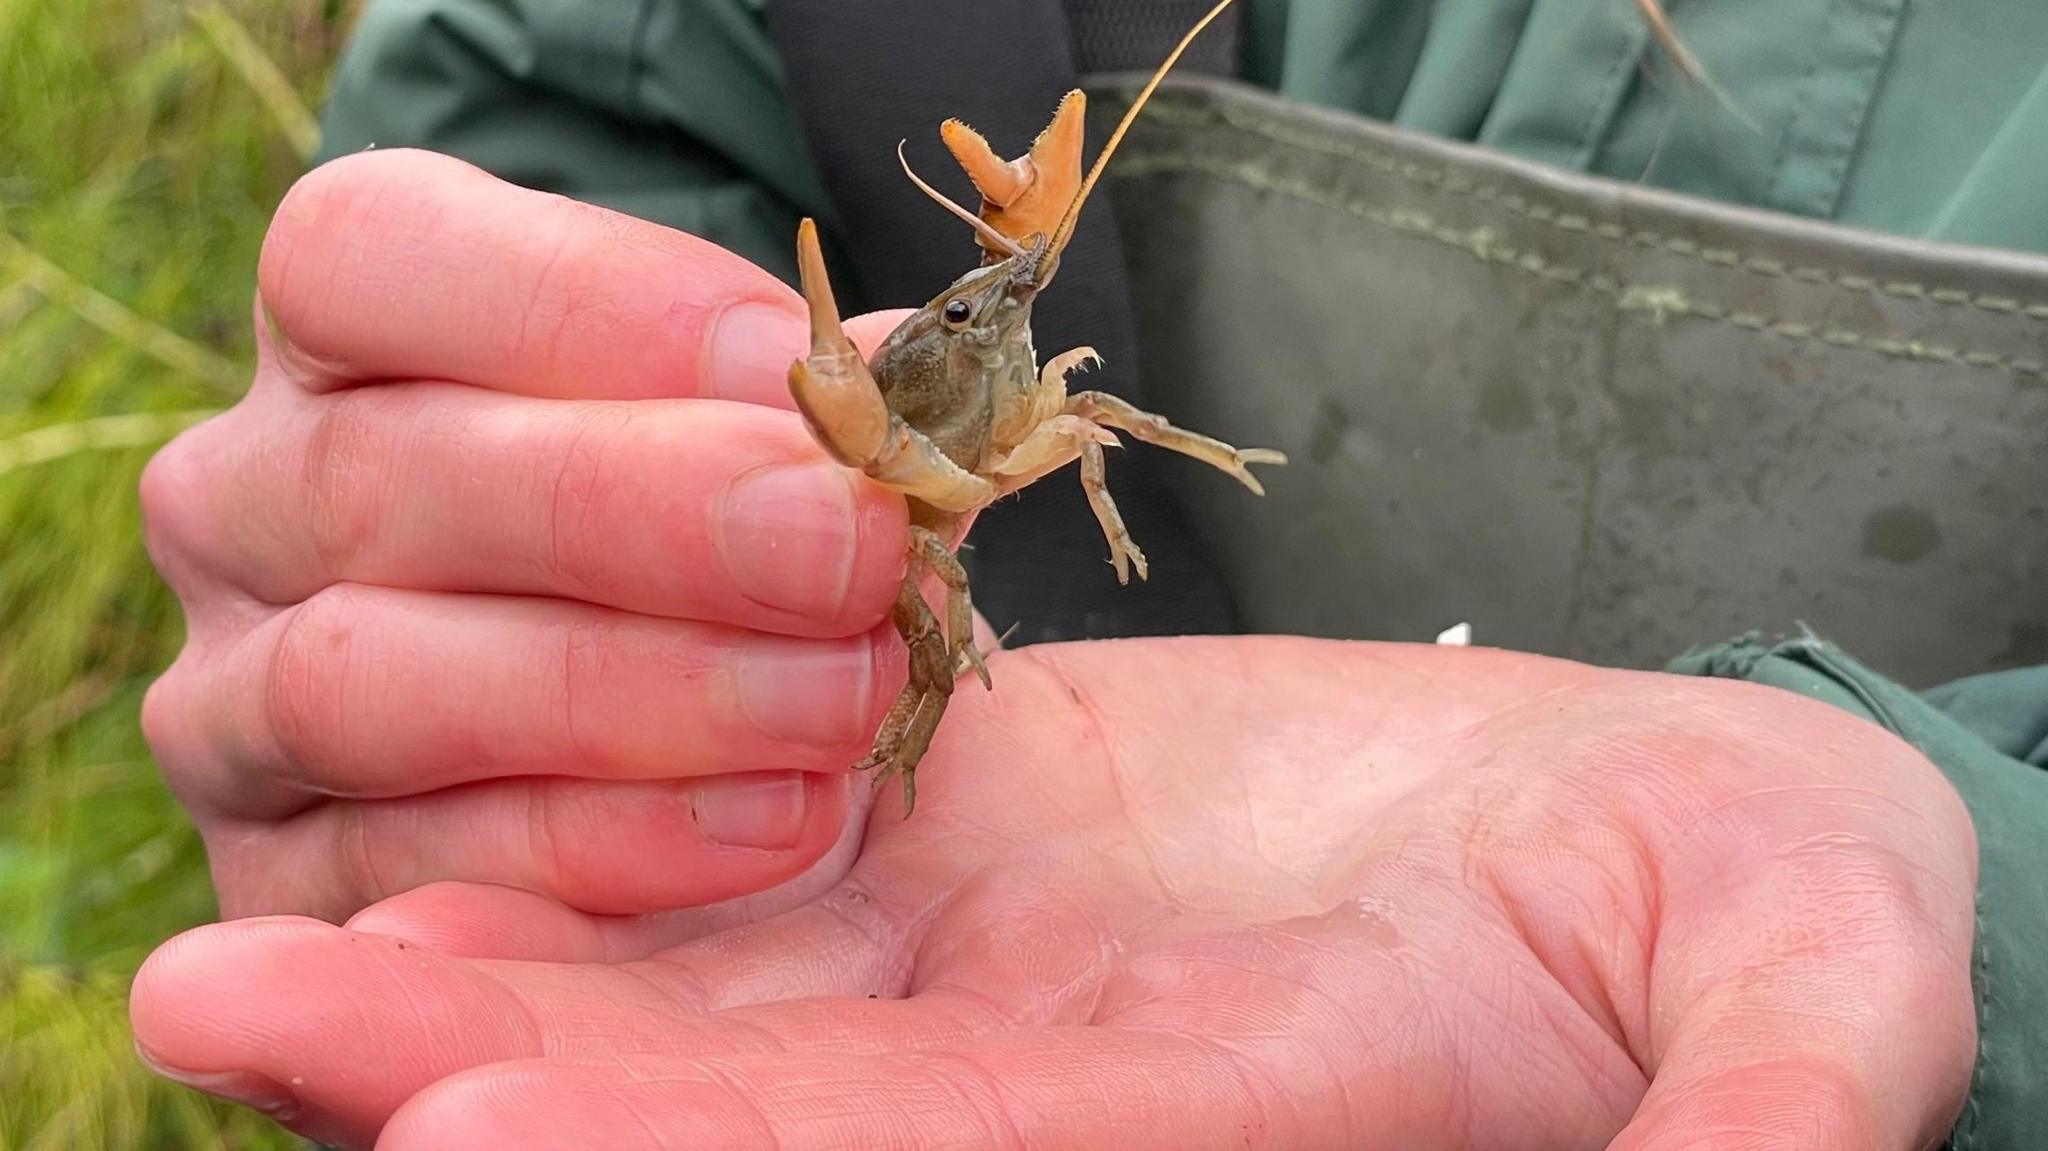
(957, 313)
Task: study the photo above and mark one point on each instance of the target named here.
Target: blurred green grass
(143, 146)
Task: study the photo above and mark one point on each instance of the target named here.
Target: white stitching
(1485, 244)
(1514, 202)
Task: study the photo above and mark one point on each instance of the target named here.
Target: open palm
(1199, 893)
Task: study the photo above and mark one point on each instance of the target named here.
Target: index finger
(406, 264)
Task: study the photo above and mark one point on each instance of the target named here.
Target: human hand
(507, 569)
(1202, 893)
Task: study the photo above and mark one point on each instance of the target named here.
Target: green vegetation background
(143, 146)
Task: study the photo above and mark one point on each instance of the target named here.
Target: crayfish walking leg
(937, 658)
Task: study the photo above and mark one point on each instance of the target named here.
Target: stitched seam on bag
(1658, 301)
(1444, 180)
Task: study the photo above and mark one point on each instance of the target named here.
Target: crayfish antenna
(1688, 65)
(1068, 222)
(981, 227)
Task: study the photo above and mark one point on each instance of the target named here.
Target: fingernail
(786, 533)
(806, 691)
(298, 365)
(751, 347)
(763, 811)
(244, 1087)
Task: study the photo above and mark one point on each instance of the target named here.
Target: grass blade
(262, 75)
(105, 433)
(112, 317)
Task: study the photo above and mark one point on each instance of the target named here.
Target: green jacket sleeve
(1989, 735)
(671, 111)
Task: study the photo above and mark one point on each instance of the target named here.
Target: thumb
(1813, 1060)
(1815, 995)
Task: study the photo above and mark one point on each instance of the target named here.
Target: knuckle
(583, 489)
(356, 848)
(547, 840)
(303, 700)
(579, 674)
(169, 720)
(566, 839)
(343, 467)
(164, 490)
(176, 496)
(557, 290)
(194, 744)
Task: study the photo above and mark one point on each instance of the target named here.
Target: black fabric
(1135, 35)
(864, 76)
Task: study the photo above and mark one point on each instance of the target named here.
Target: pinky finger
(490, 921)
(609, 848)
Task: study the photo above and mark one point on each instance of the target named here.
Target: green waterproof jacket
(1919, 118)
(1916, 119)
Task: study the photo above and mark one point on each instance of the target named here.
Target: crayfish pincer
(954, 410)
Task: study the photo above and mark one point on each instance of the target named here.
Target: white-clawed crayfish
(955, 412)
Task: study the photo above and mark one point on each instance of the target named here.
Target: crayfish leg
(937, 659)
(1123, 550)
(1053, 445)
(1104, 408)
(959, 601)
(907, 730)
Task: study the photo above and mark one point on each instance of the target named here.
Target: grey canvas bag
(1593, 420)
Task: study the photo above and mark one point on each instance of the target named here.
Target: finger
(1058, 1087)
(462, 688)
(407, 264)
(253, 1006)
(718, 512)
(1811, 991)
(489, 921)
(609, 849)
